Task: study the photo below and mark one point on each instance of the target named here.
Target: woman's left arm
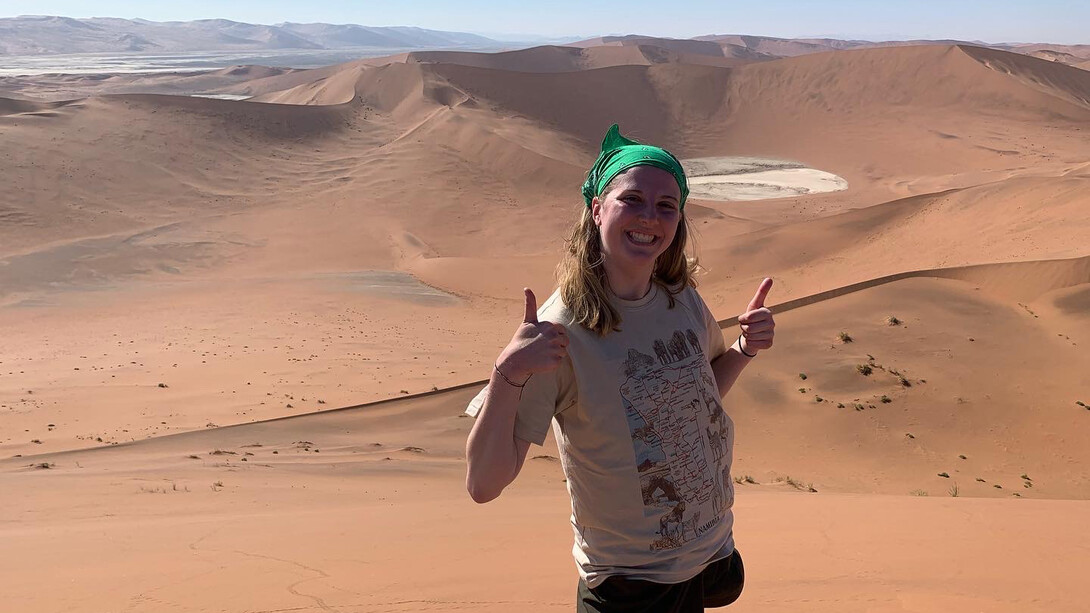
(758, 328)
(728, 366)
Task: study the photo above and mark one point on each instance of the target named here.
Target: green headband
(619, 154)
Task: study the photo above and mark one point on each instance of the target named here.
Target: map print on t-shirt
(679, 435)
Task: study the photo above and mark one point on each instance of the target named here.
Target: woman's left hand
(757, 324)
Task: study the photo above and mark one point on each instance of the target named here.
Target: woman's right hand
(535, 347)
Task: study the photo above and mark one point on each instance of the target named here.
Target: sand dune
(570, 59)
(185, 282)
(395, 464)
(942, 63)
(75, 86)
(9, 106)
(791, 47)
(779, 107)
(693, 46)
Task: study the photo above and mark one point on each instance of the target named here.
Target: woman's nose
(649, 212)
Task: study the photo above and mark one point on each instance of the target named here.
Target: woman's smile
(641, 238)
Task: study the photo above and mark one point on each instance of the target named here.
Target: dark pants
(717, 586)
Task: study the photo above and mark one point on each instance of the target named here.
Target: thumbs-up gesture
(757, 324)
(535, 347)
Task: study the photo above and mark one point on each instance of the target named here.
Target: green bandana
(619, 154)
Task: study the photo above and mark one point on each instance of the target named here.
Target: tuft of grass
(819, 399)
(859, 407)
(802, 376)
(1081, 403)
(981, 480)
(840, 405)
(918, 493)
(1026, 477)
(844, 337)
(905, 382)
(802, 390)
(953, 491)
(909, 435)
(886, 399)
(997, 486)
(808, 487)
(944, 475)
(865, 369)
(893, 321)
(44, 465)
(962, 456)
(745, 479)
(217, 485)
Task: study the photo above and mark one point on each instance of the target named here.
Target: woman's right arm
(494, 455)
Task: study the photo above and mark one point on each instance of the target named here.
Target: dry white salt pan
(752, 178)
(221, 96)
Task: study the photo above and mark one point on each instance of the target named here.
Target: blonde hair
(582, 278)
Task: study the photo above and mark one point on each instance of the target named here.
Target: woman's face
(637, 219)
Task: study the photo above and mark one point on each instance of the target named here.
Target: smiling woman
(629, 366)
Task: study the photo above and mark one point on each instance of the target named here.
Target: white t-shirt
(643, 439)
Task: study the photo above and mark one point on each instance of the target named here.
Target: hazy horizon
(1005, 21)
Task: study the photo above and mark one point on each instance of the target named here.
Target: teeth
(641, 238)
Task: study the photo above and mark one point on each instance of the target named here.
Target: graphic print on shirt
(680, 435)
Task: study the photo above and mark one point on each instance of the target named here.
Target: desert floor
(237, 337)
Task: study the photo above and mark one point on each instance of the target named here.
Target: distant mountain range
(39, 35)
(45, 35)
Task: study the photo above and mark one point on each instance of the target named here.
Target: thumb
(762, 293)
(531, 306)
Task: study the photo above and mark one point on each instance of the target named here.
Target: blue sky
(1059, 21)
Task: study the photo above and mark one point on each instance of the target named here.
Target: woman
(629, 366)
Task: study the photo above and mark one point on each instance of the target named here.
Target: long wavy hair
(582, 277)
